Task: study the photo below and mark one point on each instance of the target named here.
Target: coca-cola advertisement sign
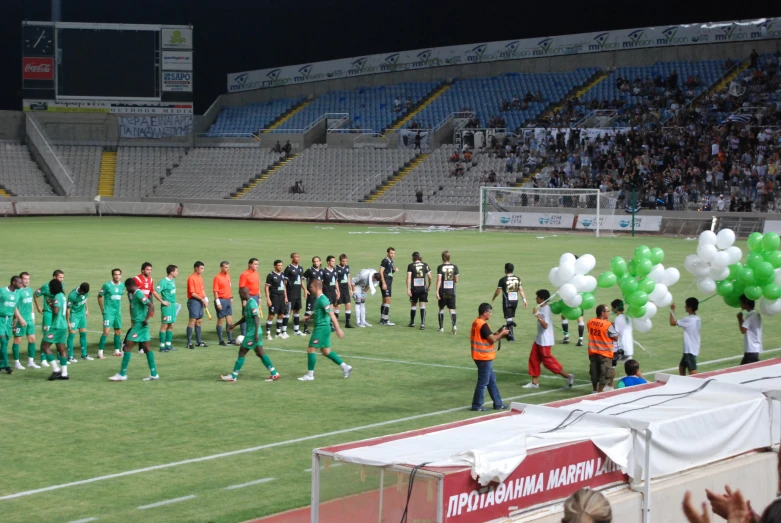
(38, 68)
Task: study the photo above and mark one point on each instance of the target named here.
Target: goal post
(533, 208)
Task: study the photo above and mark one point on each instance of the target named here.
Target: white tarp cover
(216, 210)
(363, 214)
(452, 218)
(278, 212)
(54, 207)
(6, 207)
(692, 424)
(139, 208)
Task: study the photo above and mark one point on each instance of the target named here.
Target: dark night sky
(238, 35)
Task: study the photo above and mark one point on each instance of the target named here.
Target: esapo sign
(177, 81)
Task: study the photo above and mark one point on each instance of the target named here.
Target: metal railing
(705, 91)
(37, 137)
(459, 115)
(362, 140)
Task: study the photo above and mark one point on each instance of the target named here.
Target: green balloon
(572, 314)
(755, 241)
(638, 298)
(628, 285)
(724, 288)
(644, 267)
(618, 266)
(771, 241)
(647, 285)
(754, 259)
(774, 258)
(733, 270)
(771, 291)
(657, 255)
(635, 311)
(556, 307)
(764, 273)
(588, 300)
(606, 280)
(732, 301)
(642, 252)
(753, 292)
(746, 276)
(631, 267)
(738, 287)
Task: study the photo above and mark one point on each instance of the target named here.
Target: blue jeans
(486, 378)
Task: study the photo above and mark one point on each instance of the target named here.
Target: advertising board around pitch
(530, 219)
(177, 81)
(619, 223)
(177, 60)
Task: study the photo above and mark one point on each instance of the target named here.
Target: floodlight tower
(56, 10)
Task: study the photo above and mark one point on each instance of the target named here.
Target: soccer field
(88, 448)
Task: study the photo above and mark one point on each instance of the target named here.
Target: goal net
(564, 209)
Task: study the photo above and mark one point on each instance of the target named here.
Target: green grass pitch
(56, 433)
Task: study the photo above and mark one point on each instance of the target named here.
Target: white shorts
(359, 293)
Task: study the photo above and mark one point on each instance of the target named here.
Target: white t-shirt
(714, 149)
(691, 325)
(752, 340)
(626, 339)
(545, 336)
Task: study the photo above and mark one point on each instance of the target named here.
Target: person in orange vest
(483, 353)
(602, 336)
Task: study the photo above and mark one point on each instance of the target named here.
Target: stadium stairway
(251, 184)
(287, 116)
(4, 192)
(422, 105)
(593, 82)
(108, 173)
(375, 194)
(724, 83)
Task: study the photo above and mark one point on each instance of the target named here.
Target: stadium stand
(141, 169)
(251, 117)
(19, 174)
(83, 164)
(215, 172)
(334, 175)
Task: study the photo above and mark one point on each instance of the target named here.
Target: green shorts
(689, 361)
(112, 322)
(168, 314)
(20, 331)
(249, 342)
(138, 334)
(46, 320)
(321, 338)
(77, 322)
(56, 336)
(5, 326)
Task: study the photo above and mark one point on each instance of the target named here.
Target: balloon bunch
(716, 261)
(758, 278)
(644, 282)
(575, 287)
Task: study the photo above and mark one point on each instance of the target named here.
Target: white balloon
(666, 301)
(579, 281)
(691, 262)
(591, 284)
(764, 307)
(657, 273)
(585, 263)
(774, 306)
(567, 257)
(567, 291)
(553, 277)
(720, 260)
(575, 301)
(708, 238)
(650, 311)
(671, 276)
(721, 275)
(642, 325)
(659, 292)
(706, 285)
(706, 252)
(778, 277)
(725, 238)
(702, 270)
(566, 272)
(735, 254)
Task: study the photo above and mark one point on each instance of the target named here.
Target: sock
(285, 321)
(3, 352)
(169, 336)
(311, 361)
(237, 367)
(336, 313)
(31, 350)
(189, 335)
(334, 357)
(581, 328)
(125, 362)
(162, 339)
(219, 333)
(279, 326)
(453, 317)
(15, 350)
(422, 315)
(64, 365)
(117, 342)
(412, 313)
(150, 360)
(348, 315)
(83, 343)
(102, 344)
(382, 312)
(53, 362)
(441, 318)
(268, 326)
(296, 322)
(509, 322)
(198, 334)
(71, 337)
(565, 327)
(267, 362)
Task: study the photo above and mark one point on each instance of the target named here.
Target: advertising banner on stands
(772, 226)
(530, 219)
(619, 223)
(37, 68)
(177, 60)
(177, 81)
(177, 38)
(577, 44)
(104, 106)
(155, 126)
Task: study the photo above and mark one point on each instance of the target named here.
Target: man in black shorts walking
(345, 291)
(511, 288)
(418, 285)
(276, 299)
(312, 274)
(293, 275)
(386, 283)
(447, 277)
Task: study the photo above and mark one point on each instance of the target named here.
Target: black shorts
(419, 296)
(310, 303)
(447, 301)
(387, 293)
(344, 296)
(689, 361)
(509, 309)
(227, 307)
(749, 357)
(278, 305)
(295, 303)
(331, 297)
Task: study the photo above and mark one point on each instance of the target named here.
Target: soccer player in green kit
(253, 338)
(46, 312)
(321, 335)
(56, 332)
(141, 309)
(110, 303)
(24, 303)
(77, 314)
(8, 315)
(167, 290)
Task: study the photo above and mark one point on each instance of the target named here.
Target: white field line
(249, 484)
(85, 520)
(300, 440)
(166, 502)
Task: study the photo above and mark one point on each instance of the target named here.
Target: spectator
(587, 506)
(287, 148)
(753, 57)
(633, 376)
(455, 157)
(298, 188)
(409, 103)
(468, 156)
(419, 195)
(277, 148)
(417, 141)
(397, 104)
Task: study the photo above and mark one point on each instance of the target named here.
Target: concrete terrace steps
(108, 173)
(595, 80)
(422, 105)
(247, 187)
(5, 192)
(287, 116)
(396, 179)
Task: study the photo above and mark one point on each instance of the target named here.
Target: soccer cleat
(140, 350)
(151, 378)
(190, 346)
(268, 336)
(61, 377)
(389, 323)
(361, 325)
(306, 331)
(18, 366)
(570, 380)
(222, 344)
(118, 353)
(285, 335)
(72, 360)
(170, 349)
(441, 330)
(8, 370)
(161, 351)
(88, 358)
(347, 372)
(565, 340)
(306, 377)
(411, 325)
(367, 324)
(202, 344)
(349, 326)
(101, 357)
(579, 343)
(54, 376)
(298, 333)
(229, 378)
(422, 327)
(382, 322)
(118, 377)
(531, 385)
(453, 332)
(32, 365)
(274, 377)
(45, 363)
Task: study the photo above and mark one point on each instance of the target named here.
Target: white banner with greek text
(155, 126)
